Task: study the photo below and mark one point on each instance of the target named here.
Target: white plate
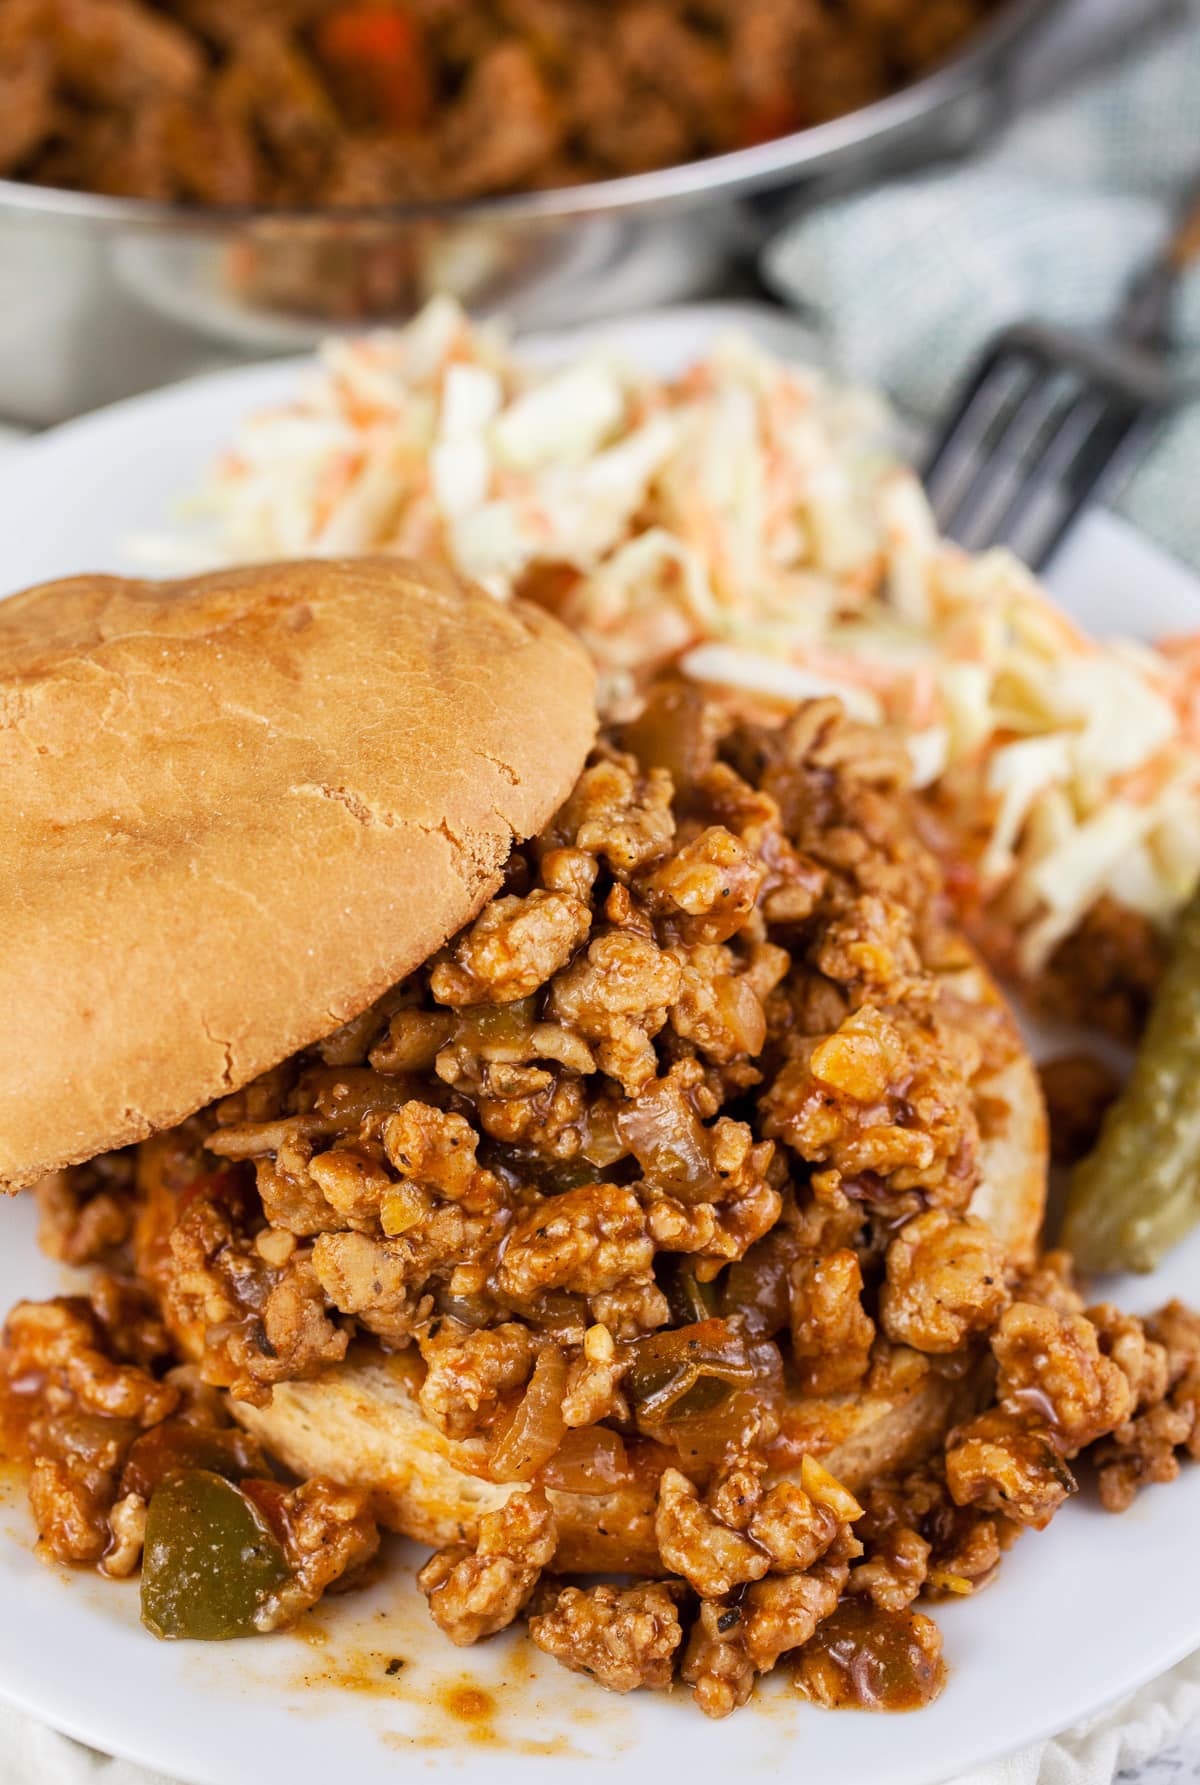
(1078, 1617)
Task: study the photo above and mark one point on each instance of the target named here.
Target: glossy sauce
(16, 1410)
(351, 1669)
(470, 1704)
(865, 1659)
(443, 1711)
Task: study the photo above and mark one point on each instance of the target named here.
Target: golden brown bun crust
(235, 809)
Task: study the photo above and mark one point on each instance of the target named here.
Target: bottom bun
(361, 1423)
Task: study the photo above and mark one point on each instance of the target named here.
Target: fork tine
(968, 454)
(1009, 459)
(1096, 472)
(1049, 417)
(991, 361)
(983, 398)
(1043, 474)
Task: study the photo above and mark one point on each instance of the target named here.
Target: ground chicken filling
(662, 1168)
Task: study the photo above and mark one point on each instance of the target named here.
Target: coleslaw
(747, 521)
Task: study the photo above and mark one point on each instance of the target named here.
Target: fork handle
(1145, 316)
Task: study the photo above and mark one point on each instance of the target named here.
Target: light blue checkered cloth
(907, 282)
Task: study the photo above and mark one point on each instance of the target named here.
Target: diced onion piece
(590, 1460)
(536, 1427)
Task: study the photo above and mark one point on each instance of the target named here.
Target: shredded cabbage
(748, 521)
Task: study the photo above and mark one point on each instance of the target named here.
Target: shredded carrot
(339, 475)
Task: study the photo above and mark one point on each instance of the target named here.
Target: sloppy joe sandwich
(236, 810)
(586, 1155)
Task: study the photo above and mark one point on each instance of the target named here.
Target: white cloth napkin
(908, 281)
(1123, 1737)
(31, 1754)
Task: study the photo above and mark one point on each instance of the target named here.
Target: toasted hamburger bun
(234, 810)
(1015, 1148)
(362, 1423)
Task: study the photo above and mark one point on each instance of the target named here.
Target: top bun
(235, 809)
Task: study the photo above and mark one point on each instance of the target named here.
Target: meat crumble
(341, 102)
(679, 1136)
(622, 1637)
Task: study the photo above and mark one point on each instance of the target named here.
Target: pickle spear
(1138, 1193)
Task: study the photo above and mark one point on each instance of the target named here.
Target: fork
(1049, 420)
